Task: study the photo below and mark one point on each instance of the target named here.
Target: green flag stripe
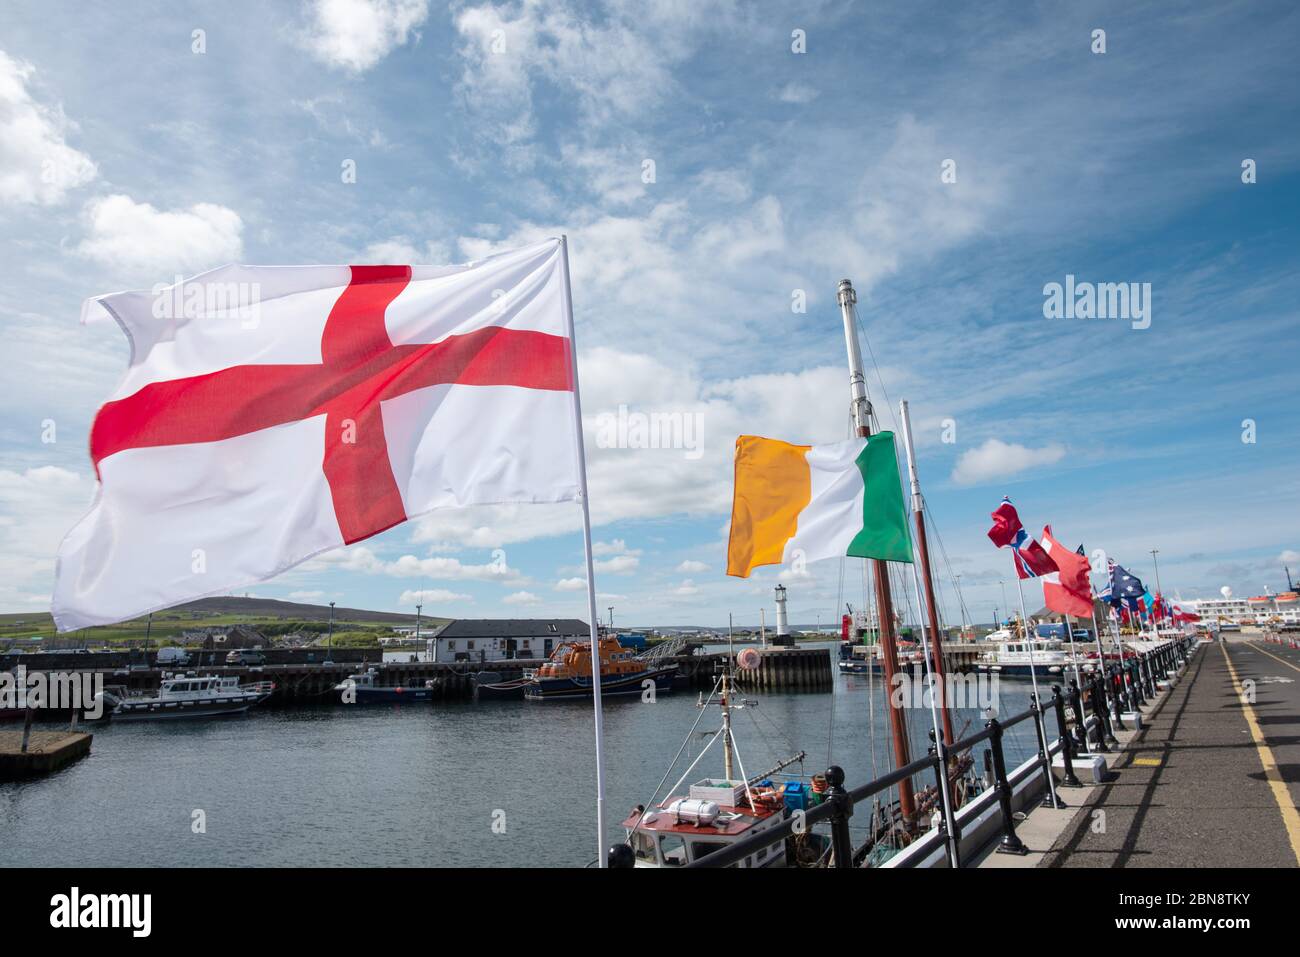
(885, 533)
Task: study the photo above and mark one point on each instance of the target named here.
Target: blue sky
(126, 161)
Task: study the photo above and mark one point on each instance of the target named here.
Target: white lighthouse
(782, 622)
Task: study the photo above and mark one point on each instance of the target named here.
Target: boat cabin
(714, 815)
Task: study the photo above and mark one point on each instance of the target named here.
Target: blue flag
(1125, 589)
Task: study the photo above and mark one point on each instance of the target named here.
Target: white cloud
(996, 459)
(687, 588)
(401, 250)
(571, 584)
(360, 558)
(616, 546)
(430, 596)
(520, 598)
(1289, 557)
(124, 234)
(618, 565)
(797, 93)
(615, 65)
(306, 595)
(692, 567)
(37, 166)
(37, 507)
(356, 34)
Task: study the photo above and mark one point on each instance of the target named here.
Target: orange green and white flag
(816, 501)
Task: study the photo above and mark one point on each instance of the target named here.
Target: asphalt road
(1192, 789)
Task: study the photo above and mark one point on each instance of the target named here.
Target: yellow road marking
(1273, 656)
(1290, 818)
(1147, 762)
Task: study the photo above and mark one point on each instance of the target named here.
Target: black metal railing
(1112, 689)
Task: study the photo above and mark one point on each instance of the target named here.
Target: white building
(482, 640)
(1256, 610)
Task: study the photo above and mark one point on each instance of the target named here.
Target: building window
(469, 646)
(451, 644)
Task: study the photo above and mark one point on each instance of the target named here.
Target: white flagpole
(591, 576)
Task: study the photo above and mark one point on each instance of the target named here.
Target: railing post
(1010, 843)
(1112, 676)
(838, 798)
(1080, 722)
(1050, 799)
(1096, 695)
(1070, 779)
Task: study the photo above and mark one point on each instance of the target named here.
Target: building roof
(516, 628)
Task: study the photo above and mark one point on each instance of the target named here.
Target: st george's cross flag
(271, 413)
(1068, 590)
(816, 501)
(1030, 559)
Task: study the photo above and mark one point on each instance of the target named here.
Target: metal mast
(861, 410)
(923, 556)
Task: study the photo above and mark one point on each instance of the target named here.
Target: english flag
(1030, 559)
(271, 413)
(1068, 590)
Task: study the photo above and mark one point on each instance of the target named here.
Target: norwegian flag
(1030, 559)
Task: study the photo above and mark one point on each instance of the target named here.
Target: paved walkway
(1210, 781)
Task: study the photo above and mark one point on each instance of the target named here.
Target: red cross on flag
(270, 413)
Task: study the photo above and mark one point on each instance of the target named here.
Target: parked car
(174, 656)
(244, 656)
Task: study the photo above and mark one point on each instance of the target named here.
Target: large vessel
(189, 696)
(568, 673)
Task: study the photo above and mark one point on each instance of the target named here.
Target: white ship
(189, 696)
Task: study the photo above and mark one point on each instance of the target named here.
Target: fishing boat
(188, 696)
(364, 688)
(567, 674)
(715, 813)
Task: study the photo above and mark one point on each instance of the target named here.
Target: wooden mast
(923, 556)
(861, 409)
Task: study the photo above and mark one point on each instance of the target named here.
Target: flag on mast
(1031, 560)
(1068, 590)
(818, 501)
(327, 404)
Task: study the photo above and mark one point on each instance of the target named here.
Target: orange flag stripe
(772, 486)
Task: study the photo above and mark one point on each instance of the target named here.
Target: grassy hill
(271, 615)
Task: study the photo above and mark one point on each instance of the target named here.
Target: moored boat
(364, 688)
(568, 674)
(189, 696)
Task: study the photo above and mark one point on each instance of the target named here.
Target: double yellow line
(1290, 817)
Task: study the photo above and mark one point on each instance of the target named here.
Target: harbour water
(493, 784)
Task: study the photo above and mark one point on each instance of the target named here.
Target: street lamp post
(417, 631)
(330, 640)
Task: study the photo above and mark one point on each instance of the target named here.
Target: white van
(173, 656)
